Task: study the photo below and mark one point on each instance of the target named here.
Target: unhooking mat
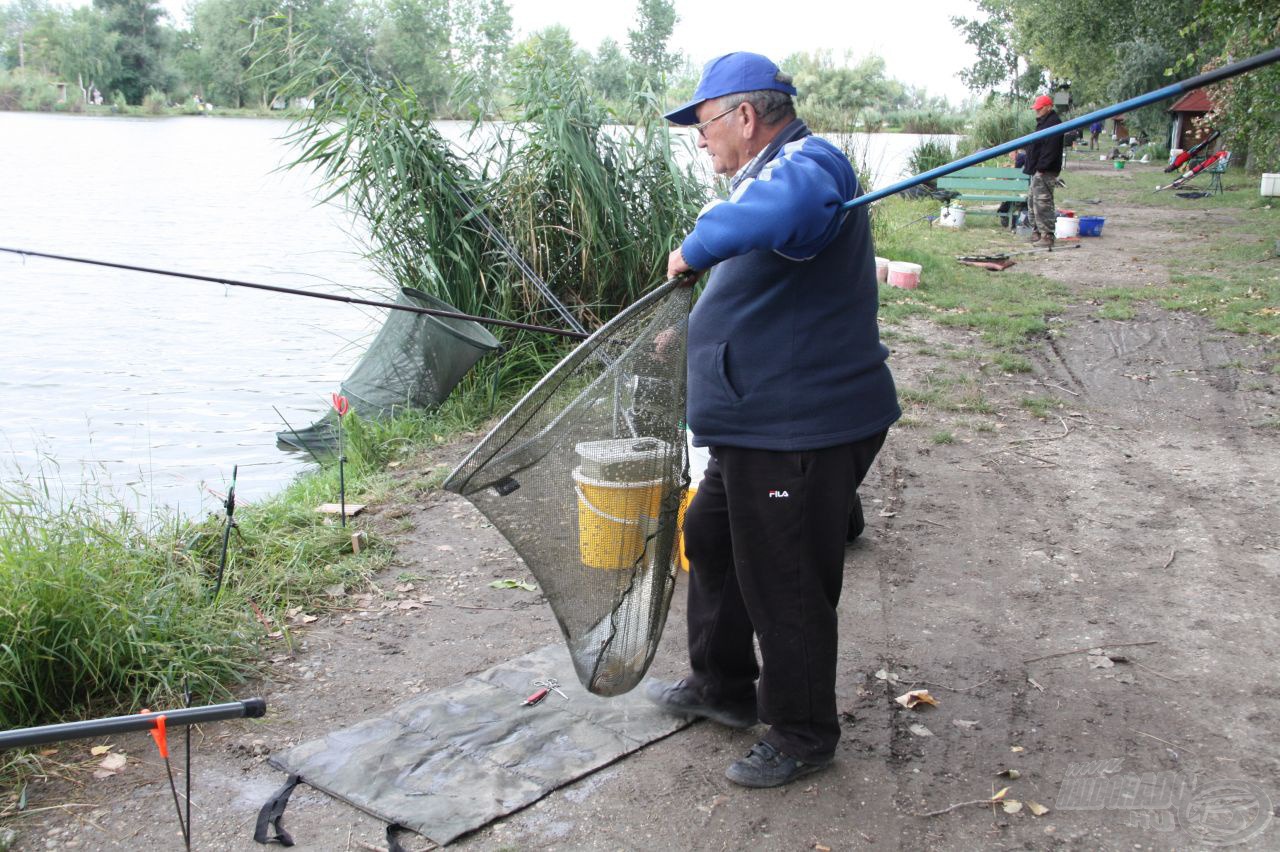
(448, 762)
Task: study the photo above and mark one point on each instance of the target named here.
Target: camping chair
(1216, 172)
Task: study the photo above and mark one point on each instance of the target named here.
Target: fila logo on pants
(773, 495)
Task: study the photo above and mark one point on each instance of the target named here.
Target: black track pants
(765, 537)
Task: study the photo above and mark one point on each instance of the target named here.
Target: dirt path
(1139, 517)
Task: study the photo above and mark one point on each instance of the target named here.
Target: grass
(1009, 308)
(103, 612)
(1232, 276)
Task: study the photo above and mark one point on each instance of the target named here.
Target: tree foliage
(647, 43)
(142, 45)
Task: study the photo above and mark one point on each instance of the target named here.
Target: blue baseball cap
(728, 75)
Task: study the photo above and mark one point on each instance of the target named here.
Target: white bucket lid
(884, 261)
(904, 266)
(622, 450)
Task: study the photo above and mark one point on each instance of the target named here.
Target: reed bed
(560, 193)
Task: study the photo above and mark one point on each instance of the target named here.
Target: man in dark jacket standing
(1044, 163)
(789, 388)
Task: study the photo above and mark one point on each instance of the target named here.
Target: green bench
(989, 185)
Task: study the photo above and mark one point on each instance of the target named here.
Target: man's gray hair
(771, 105)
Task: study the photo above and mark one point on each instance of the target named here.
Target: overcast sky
(915, 37)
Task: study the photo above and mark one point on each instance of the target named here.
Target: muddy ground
(1139, 517)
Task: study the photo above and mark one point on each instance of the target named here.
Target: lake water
(156, 387)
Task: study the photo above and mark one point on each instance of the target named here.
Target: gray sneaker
(765, 766)
(680, 699)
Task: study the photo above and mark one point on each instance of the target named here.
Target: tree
(481, 38)
(412, 44)
(825, 84)
(647, 43)
(17, 20)
(1244, 106)
(993, 39)
(141, 46)
(610, 72)
(86, 50)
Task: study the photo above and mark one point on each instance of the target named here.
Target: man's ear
(750, 120)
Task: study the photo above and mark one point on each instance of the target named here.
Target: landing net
(584, 477)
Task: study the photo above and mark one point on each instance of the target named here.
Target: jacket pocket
(722, 372)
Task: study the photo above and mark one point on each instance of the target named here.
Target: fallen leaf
(292, 611)
(920, 731)
(114, 762)
(818, 847)
(885, 513)
(916, 696)
(998, 796)
(337, 590)
(444, 548)
(1011, 774)
(965, 723)
(98, 751)
(513, 584)
(410, 605)
(405, 587)
(1037, 808)
(887, 676)
(1100, 663)
(1011, 806)
(1017, 749)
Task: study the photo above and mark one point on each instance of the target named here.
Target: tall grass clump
(589, 208)
(996, 123)
(930, 153)
(98, 616)
(929, 122)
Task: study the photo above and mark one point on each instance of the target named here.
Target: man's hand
(676, 266)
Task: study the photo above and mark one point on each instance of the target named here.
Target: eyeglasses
(702, 128)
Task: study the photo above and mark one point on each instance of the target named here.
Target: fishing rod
(516, 258)
(252, 708)
(1197, 82)
(292, 291)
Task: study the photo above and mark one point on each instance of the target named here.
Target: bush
(931, 153)
(996, 123)
(23, 89)
(155, 102)
(929, 122)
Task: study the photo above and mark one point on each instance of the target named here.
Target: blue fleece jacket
(784, 350)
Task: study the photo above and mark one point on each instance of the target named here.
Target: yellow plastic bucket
(615, 519)
(684, 507)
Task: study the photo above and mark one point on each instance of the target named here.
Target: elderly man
(789, 388)
(1044, 164)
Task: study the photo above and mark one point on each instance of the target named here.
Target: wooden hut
(1186, 131)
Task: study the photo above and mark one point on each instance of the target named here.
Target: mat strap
(273, 812)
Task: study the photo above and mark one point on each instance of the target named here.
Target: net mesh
(415, 362)
(584, 477)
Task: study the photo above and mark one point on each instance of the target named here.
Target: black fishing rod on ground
(251, 708)
(292, 291)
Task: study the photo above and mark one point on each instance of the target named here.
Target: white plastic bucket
(952, 217)
(904, 275)
(1067, 228)
(1271, 184)
(882, 270)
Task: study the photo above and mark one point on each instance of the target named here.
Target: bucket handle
(605, 515)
